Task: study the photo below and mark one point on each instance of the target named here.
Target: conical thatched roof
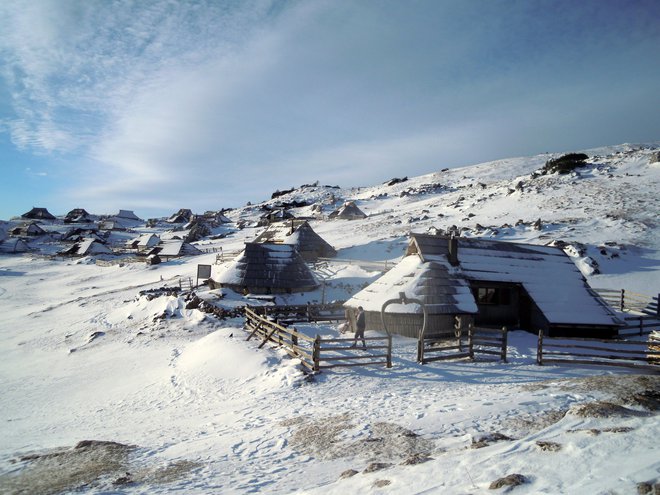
(267, 268)
(438, 285)
(299, 234)
(348, 211)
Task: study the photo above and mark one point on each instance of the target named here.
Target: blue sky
(155, 106)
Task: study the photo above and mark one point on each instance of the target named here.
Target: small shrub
(565, 164)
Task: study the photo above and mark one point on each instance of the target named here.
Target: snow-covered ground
(194, 407)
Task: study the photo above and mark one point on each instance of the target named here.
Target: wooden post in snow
(504, 343)
(539, 349)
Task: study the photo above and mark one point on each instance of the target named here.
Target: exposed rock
(547, 446)
(510, 480)
(348, 474)
(381, 483)
(648, 488)
(419, 458)
(602, 409)
(489, 438)
(376, 466)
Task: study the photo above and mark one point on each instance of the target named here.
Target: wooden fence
(303, 312)
(625, 300)
(316, 353)
(186, 283)
(573, 350)
(639, 326)
(490, 341)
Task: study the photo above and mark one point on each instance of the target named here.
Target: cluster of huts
(456, 279)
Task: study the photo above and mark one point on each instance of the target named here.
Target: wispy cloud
(201, 103)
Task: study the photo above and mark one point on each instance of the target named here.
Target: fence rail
(367, 265)
(639, 326)
(489, 341)
(625, 300)
(303, 312)
(317, 353)
(626, 353)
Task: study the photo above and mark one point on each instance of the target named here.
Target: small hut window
(493, 295)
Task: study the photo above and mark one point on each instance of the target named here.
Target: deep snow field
(195, 408)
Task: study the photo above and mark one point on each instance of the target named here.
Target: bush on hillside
(565, 164)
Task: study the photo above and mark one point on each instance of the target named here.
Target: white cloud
(175, 103)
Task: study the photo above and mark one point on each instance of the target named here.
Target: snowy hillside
(113, 383)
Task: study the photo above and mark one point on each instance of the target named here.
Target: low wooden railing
(573, 350)
(639, 326)
(490, 341)
(303, 312)
(625, 300)
(316, 353)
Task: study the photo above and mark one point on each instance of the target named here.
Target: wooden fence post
(470, 339)
(294, 339)
(504, 343)
(539, 349)
(622, 303)
(316, 353)
(389, 351)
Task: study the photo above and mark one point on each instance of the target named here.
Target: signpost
(203, 272)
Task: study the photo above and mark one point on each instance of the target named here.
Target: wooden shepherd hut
(13, 246)
(491, 283)
(300, 235)
(87, 247)
(348, 211)
(267, 269)
(78, 215)
(184, 215)
(28, 229)
(38, 214)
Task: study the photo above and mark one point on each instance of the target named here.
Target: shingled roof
(445, 278)
(547, 274)
(38, 214)
(348, 211)
(299, 234)
(267, 268)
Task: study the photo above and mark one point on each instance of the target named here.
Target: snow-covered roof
(268, 266)
(174, 247)
(299, 234)
(348, 210)
(14, 245)
(440, 286)
(548, 275)
(127, 214)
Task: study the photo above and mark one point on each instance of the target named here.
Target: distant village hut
(87, 247)
(276, 215)
(184, 215)
(38, 214)
(77, 215)
(490, 283)
(143, 243)
(348, 211)
(173, 248)
(127, 215)
(78, 234)
(301, 236)
(267, 269)
(13, 246)
(27, 229)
